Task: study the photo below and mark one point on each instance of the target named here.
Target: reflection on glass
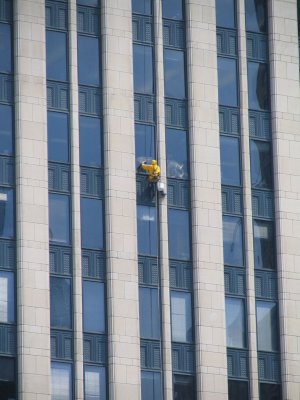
(147, 230)
(269, 391)
(174, 74)
(88, 60)
(227, 82)
(58, 137)
(7, 369)
(267, 327)
(233, 241)
(61, 381)
(90, 141)
(93, 307)
(143, 69)
(238, 390)
(264, 245)
(179, 234)
(235, 323)
(60, 302)
(144, 143)
(59, 218)
(183, 387)
(6, 134)
(261, 164)
(5, 48)
(177, 159)
(256, 16)
(172, 9)
(7, 298)
(151, 385)
(181, 317)
(142, 7)
(149, 313)
(56, 46)
(92, 3)
(225, 10)
(7, 224)
(258, 86)
(94, 383)
(230, 161)
(91, 223)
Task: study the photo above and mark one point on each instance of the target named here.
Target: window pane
(56, 45)
(225, 13)
(267, 327)
(142, 7)
(261, 164)
(7, 369)
(174, 74)
(88, 60)
(177, 158)
(91, 223)
(264, 245)
(233, 247)
(268, 391)
(59, 218)
(60, 302)
(93, 3)
(144, 143)
(90, 141)
(238, 390)
(172, 9)
(61, 381)
(227, 82)
(147, 230)
(179, 234)
(6, 134)
(94, 383)
(93, 307)
(235, 323)
(230, 161)
(58, 137)
(149, 313)
(143, 69)
(5, 48)
(151, 385)
(256, 16)
(181, 315)
(183, 387)
(7, 298)
(7, 212)
(258, 86)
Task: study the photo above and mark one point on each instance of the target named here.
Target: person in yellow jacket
(153, 171)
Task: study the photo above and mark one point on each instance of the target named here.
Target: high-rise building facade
(109, 287)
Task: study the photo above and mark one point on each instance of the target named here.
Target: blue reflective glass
(267, 326)
(142, 7)
(58, 137)
(93, 307)
(233, 248)
(149, 313)
(5, 48)
(6, 130)
(256, 16)
(238, 390)
(61, 381)
(181, 317)
(147, 230)
(88, 60)
(144, 143)
(230, 161)
(172, 9)
(90, 141)
(184, 387)
(174, 74)
(235, 323)
(7, 213)
(179, 234)
(177, 157)
(59, 218)
(151, 385)
(270, 391)
(91, 223)
(92, 3)
(94, 383)
(56, 46)
(261, 165)
(264, 244)
(7, 370)
(258, 86)
(7, 297)
(227, 82)
(225, 10)
(60, 303)
(143, 69)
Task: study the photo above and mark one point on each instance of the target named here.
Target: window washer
(153, 171)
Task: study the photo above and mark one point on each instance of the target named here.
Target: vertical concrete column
(32, 202)
(211, 363)
(285, 103)
(120, 202)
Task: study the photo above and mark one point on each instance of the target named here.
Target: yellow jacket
(153, 171)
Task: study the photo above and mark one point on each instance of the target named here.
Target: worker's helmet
(154, 162)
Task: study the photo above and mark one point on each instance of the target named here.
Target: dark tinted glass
(261, 164)
(179, 234)
(267, 327)
(256, 15)
(225, 10)
(94, 383)
(258, 86)
(149, 313)
(58, 137)
(174, 74)
(267, 391)
(60, 302)
(6, 135)
(7, 390)
(238, 390)
(151, 385)
(56, 45)
(172, 9)
(183, 387)
(7, 298)
(143, 69)
(235, 323)
(93, 307)
(90, 141)
(264, 244)
(88, 60)
(233, 241)
(227, 82)
(177, 158)
(59, 218)
(230, 161)
(92, 3)
(61, 381)
(7, 369)
(91, 223)
(144, 143)
(7, 212)
(142, 7)
(181, 317)
(147, 230)
(5, 48)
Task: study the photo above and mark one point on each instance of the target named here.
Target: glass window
(235, 323)
(177, 157)
(88, 60)
(7, 212)
(93, 307)
(90, 141)
(179, 234)
(7, 369)
(60, 302)
(142, 7)
(92, 3)
(264, 244)
(267, 327)
(225, 10)
(144, 143)
(230, 161)
(233, 247)
(147, 230)
(143, 69)
(149, 313)
(181, 316)
(5, 48)
(258, 86)
(256, 16)
(227, 82)
(269, 391)
(61, 381)
(261, 164)
(94, 383)
(6, 134)
(91, 223)
(59, 218)
(7, 298)
(238, 390)
(151, 385)
(56, 46)
(172, 9)
(174, 74)
(58, 137)
(183, 387)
